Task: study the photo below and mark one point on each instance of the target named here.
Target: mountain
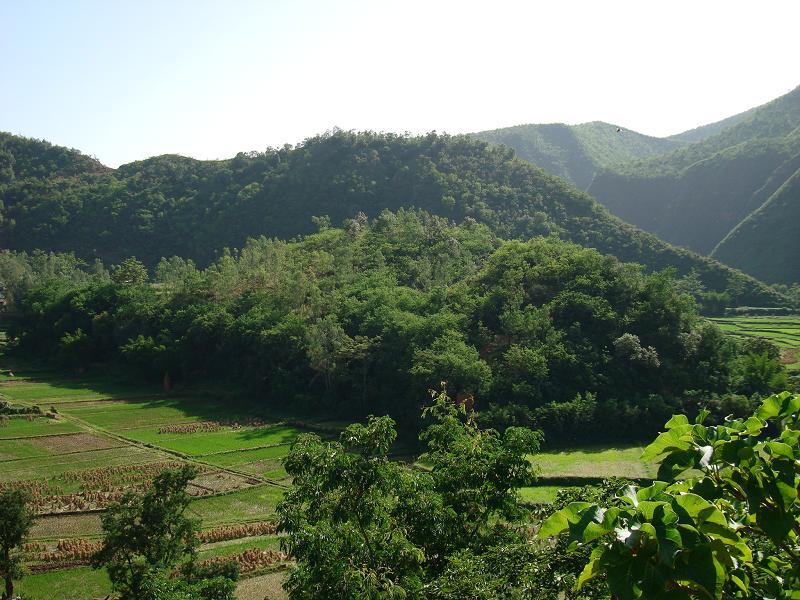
(705, 131)
(767, 242)
(576, 152)
(22, 158)
(172, 205)
(696, 195)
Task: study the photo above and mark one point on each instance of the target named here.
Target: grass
(542, 494)
(229, 547)
(251, 504)
(19, 427)
(51, 466)
(783, 331)
(68, 390)
(263, 586)
(132, 414)
(81, 583)
(58, 527)
(205, 443)
(594, 462)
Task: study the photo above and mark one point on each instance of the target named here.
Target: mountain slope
(171, 205)
(695, 195)
(705, 131)
(22, 158)
(767, 242)
(576, 152)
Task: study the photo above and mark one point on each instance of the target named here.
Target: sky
(123, 80)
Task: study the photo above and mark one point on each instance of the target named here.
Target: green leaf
(560, 521)
(592, 569)
(677, 421)
(669, 441)
(775, 523)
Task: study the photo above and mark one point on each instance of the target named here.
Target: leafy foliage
(363, 526)
(723, 521)
(16, 520)
(148, 536)
(367, 319)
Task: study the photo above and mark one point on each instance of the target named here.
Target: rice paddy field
(783, 331)
(96, 438)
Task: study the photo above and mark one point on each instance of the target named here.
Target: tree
(16, 521)
(341, 519)
(363, 526)
(723, 520)
(148, 536)
(129, 272)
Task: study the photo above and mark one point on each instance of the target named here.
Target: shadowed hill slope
(696, 195)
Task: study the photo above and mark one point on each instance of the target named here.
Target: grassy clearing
(81, 583)
(594, 462)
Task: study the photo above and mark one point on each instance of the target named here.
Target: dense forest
(58, 200)
(365, 319)
(697, 195)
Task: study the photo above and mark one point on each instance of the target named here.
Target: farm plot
(783, 331)
(52, 445)
(57, 391)
(266, 462)
(29, 426)
(226, 439)
(155, 413)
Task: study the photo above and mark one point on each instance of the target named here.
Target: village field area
(783, 331)
(96, 438)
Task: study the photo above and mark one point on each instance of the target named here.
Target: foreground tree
(148, 538)
(724, 522)
(363, 526)
(16, 520)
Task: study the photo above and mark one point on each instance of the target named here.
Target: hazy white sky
(124, 80)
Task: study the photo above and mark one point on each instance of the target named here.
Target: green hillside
(704, 131)
(576, 152)
(22, 158)
(171, 205)
(696, 195)
(767, 242)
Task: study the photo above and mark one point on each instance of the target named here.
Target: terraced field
(784, 332)
(94, 439)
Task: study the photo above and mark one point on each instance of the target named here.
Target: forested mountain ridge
(696, 195)
(172, 205)
(773, 230)
(576, 152)
(22, 158)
